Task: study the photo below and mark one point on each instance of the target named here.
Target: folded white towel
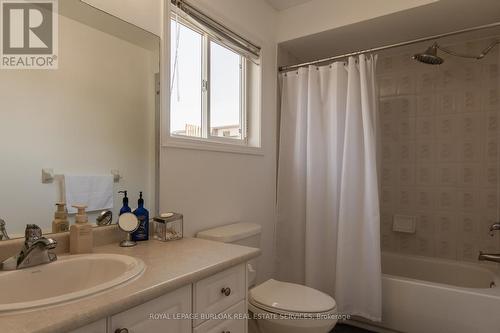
(94, 191)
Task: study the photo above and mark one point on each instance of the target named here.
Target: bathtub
(429, 295)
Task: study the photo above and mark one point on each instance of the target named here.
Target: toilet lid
(291, 297)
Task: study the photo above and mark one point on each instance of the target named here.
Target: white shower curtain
(328, 234)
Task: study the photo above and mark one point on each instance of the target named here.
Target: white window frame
(208, 141)
(243, 108)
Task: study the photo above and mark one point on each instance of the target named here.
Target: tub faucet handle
(494, 227)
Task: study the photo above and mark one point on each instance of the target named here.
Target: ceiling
(436, 18)
(284, 4)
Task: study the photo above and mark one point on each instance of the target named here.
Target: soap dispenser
(81, 239)
(142, 232)
(60, 223)
(125, 208)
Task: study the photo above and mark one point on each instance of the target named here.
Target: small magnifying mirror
(129, 223)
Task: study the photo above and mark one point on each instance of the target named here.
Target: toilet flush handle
(226, 291)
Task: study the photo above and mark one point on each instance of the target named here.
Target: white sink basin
(68, 278)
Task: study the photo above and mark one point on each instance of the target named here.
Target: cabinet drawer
(157, 315)
(232, 321)
(216, 293)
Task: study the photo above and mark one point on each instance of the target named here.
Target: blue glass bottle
(125, 208)
(142, 232)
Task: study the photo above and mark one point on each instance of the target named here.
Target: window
(208, 81)
(186, 98)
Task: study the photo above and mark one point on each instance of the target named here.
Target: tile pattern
(439, 133)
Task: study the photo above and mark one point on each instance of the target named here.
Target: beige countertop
(169, 266)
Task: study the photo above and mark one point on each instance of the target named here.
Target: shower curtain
(328, 234)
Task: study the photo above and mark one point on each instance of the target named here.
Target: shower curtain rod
(385, 47)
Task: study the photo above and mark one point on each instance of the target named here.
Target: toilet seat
(290, 299)
(255, 307)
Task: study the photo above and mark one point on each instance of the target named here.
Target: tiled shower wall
(439, 152)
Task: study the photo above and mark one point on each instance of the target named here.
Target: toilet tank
(246, 234)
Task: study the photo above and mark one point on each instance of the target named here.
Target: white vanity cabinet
(157, 315)
(215, 304)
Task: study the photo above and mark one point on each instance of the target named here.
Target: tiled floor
(342, 328)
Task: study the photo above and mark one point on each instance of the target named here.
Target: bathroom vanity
(190, 285)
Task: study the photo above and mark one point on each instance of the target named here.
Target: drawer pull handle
(121, 330)
(226, 332)
(226, 292)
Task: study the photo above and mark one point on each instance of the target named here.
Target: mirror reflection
(78, 134)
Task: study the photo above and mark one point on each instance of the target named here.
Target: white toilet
(279, 307)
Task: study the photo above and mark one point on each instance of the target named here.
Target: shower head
(430, 56)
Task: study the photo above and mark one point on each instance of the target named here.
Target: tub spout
(495, 257)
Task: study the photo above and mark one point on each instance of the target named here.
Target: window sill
(203, 144)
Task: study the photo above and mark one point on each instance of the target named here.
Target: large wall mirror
(91, 120)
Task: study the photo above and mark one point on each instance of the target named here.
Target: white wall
(212, 188)
(321, 15)
(215, 188)
(95, 113)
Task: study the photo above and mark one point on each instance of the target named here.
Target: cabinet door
(95, 327)
(161, 315)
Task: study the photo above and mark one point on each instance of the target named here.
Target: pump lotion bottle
(81, 239)
(60, 223)
(142, 232)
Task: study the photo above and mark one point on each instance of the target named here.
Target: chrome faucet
(34, 252)
(105, 218)
(3, 231)
(495, 257)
